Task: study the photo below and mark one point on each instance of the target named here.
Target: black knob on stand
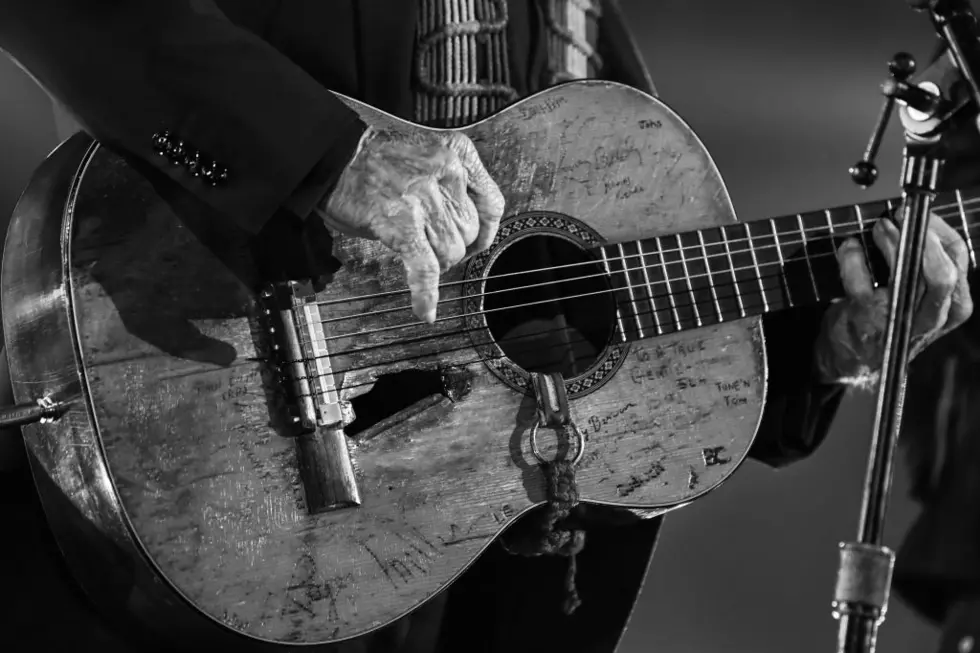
(865, 172)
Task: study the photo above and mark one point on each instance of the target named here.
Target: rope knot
(548, 534)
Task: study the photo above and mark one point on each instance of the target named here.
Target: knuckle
(959, 252)
(849, 255)
(499, 203)
(965, 311)
(452, 254)
(961, 307)
(947, 277)
(460, 144)
(424, 269)
(464, 143)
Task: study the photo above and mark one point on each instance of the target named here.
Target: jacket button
(215, 173)
(175, 151)
(161, 140)
(192, 162)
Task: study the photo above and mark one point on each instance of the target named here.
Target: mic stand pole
(865, 566)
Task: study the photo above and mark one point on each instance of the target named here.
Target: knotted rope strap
(547, 534)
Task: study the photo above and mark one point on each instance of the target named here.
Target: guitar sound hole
(552, 327)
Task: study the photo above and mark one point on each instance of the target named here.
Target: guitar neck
(683, 281)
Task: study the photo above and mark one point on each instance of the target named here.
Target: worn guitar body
(145, 318)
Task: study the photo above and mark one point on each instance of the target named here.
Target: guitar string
(825, 230)
(755, 280)
(728, 271)
(748, 306)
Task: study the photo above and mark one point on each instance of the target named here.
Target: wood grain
(188, 412)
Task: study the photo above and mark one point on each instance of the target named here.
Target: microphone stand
(865, 566)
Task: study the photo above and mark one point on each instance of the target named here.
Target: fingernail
(888, 226)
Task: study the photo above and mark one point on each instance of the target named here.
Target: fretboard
(684, 281)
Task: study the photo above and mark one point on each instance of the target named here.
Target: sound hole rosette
(512, 230)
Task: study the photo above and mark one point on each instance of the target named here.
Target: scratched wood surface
(185, 407)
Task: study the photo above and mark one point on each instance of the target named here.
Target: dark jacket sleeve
(799, 409)
(129, 69)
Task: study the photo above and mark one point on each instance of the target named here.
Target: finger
(885, 235)
(487, 198)
(938, 279)
(466, 217)
(444, 237)
(437, 222)
(422, 274)
(945, 261)
(961, 304)
(854, 272)
(405, 233)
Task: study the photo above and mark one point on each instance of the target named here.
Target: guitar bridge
(316, 411)
(303, 357)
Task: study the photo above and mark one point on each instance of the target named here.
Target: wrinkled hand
(426, 196)
(851, 344)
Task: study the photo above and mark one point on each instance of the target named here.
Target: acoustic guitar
(303, 464)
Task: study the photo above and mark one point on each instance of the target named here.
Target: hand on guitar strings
(426, 196)
(850, 347)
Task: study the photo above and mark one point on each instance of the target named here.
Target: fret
(782, 262)
(831, 239)
(700, 282)
(806, 256)
(711, 281)
(966, 229)
(650, 294)
(750, 283)
(758, 270)
(863, 237)
(821, 247)
(641, 290)
(840, 223)
(687, 277)
(629, 289)
(656, 271)
(720, 270)
(768, 262)
(670, 289)
(731, 266)
(619, 315)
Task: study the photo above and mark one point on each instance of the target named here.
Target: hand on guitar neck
(849, 348)
(426, 196)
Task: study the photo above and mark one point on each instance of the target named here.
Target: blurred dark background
(784, 94)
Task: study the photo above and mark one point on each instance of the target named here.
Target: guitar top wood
(185, 415)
